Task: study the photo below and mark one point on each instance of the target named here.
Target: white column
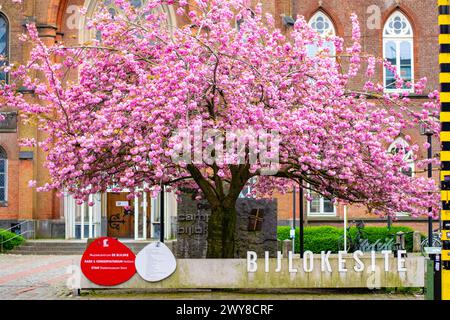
(152, 214)
(91, 216)
(136, 218)
(166, 209)
(71, 204)
(97, 214)
(144, 218)
(345, 228)
(82, 208)
(67, 218)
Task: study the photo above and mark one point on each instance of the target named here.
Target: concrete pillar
(287, 246)
(400, 238)
(417, 241)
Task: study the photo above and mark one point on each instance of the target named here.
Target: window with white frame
(3, 176)
(398, 50)
(248, 188)
(320, 206)
(321, 23)
(400, 145)
(114, 9)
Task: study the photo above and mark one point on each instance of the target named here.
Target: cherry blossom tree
(144, 87)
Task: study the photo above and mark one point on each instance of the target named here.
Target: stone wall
(233, 274)
(192, 227)
(258, 241)
(39, 229)
(26, 227)
(50, 229)
(192, 231)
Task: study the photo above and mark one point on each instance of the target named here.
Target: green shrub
(382, 233)
(14, 240)
(327, 238)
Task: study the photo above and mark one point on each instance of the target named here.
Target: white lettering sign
(308, 261)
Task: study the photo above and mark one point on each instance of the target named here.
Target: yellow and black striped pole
(443, 270)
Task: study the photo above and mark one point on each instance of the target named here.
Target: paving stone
(35, 276)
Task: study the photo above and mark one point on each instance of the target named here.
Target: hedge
(15, 240)
(327, 238)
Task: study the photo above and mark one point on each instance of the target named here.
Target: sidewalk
(44, 277)
(35, 277)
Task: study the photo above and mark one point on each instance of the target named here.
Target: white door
(82, 221)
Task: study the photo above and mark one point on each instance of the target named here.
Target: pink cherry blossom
(141, 83)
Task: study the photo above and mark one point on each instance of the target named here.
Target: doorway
(82, 221)
(120, 215)
(128, 218)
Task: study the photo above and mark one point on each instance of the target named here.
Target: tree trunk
(221, 231)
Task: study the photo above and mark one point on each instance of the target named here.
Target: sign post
(162, 216)
(294, 209)
(301, 231)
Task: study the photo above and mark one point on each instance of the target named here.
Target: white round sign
(155, 262)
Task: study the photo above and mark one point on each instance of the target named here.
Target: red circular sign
(108, 262)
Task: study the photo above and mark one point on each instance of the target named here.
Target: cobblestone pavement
(35, 277)
(45, 277)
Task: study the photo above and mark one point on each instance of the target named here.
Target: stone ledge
(232, 274)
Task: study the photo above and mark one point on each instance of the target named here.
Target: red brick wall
(422, 15)
(8, 141)
(24, 202)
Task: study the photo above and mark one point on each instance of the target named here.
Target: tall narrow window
(398, 50)
(3, 176)
(400, 145)
(4, 45)
(321, 23)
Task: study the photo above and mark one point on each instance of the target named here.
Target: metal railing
(17, 235)
(15, 226)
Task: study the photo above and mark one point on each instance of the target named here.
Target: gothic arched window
(400, 145)
(398, 49)
(4, 45)
(92, 6)
(321, 23)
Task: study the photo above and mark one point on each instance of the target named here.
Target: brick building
(404, 31)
